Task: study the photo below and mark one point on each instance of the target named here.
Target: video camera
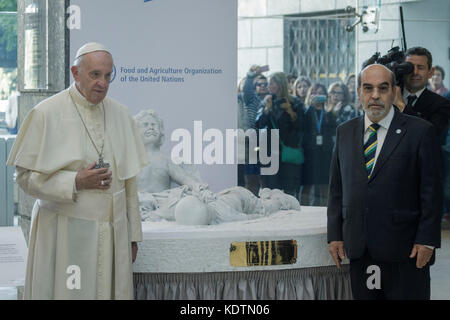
(395, 61)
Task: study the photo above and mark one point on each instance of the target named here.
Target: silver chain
(100, 154)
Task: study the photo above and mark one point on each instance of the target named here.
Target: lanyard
(319, 121)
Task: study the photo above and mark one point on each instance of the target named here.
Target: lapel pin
(398, 131)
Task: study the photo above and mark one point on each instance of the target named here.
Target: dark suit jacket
(447, 95)
(400, 205)
(433, 108)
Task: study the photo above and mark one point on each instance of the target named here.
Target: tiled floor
(440, 271)
(440, 274)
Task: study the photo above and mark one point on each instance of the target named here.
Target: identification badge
(319, 140)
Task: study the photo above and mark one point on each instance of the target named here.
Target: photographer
(282, 111)
(417, 100)
(253, 93)
(339, 103)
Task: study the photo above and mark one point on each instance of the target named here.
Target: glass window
(35, 42)
(8, 58)
(320, 46)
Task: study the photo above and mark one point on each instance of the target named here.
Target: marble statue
(232, 204)
(192, 203)
(161, 173)
(203, 207)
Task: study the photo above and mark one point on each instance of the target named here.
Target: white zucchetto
(90, 47)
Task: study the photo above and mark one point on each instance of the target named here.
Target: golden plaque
(263, 253)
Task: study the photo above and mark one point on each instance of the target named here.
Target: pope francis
(78, 152)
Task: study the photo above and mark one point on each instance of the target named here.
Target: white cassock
(86, 233)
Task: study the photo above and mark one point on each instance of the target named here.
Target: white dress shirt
(406, 93)
(381, 133)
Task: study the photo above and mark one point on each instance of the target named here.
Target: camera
(320, 99)
(395, 61)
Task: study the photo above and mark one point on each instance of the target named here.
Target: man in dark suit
(417, 100)
(446, 160)
(447, 95)
(385, 195)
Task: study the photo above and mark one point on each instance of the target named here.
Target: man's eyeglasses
(261, 84)
(337, 92)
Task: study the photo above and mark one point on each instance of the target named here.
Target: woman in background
(301, 86)
(339, 102)
(437, 81)
(320, 128)
(284, 112)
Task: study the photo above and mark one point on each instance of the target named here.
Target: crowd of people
(436, 85)
(306, 114)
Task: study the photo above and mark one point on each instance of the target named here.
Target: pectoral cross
(101, 164)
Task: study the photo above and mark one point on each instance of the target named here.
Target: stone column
(54, 53)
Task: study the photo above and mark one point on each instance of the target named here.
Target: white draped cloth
(89, 229)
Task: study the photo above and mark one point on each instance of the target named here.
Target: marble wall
(261, 28)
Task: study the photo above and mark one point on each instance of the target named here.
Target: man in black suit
(417, 100)
(385, 195)
(446, 160)
(447, 95)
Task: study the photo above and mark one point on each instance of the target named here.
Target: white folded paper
(13, 257)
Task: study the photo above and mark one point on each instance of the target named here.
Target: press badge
(319, 140)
